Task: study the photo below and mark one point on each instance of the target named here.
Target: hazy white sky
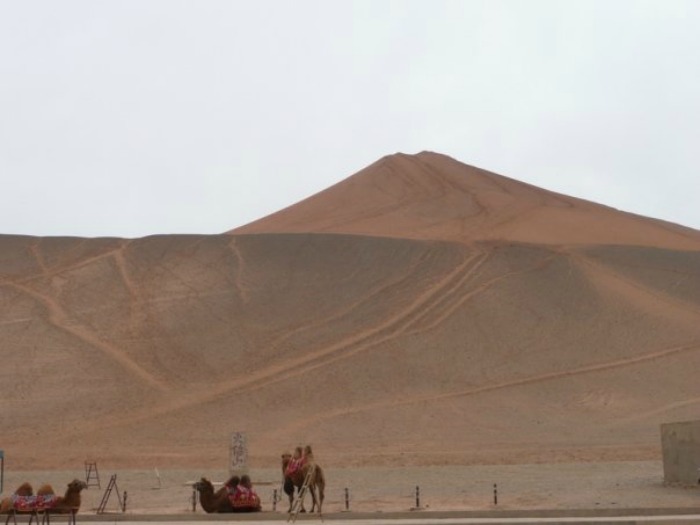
(135, 117)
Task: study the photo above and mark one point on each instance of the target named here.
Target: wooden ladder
(92, 477)
(112, 485)
(299, 501)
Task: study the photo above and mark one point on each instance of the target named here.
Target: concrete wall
(680, 444)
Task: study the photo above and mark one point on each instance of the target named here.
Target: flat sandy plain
(569, 486)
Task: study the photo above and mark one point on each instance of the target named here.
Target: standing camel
(211, 501)
(69, 502)
(317, 481)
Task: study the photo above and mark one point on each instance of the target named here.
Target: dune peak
(430, 195)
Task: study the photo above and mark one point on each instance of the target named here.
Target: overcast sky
(135, 117)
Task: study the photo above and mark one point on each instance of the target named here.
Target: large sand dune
(429, 196)
(419, 312)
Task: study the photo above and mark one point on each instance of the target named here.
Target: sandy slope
(398, 318)
(432, 196)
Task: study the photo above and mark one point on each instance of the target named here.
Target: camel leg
(288, 489)
(291, 502)
(313, 499)
(318, 498)
(301, 504)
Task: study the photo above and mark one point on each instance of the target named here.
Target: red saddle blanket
(32, 503)
(245, 501)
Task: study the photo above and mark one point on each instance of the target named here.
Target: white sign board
(238, 457)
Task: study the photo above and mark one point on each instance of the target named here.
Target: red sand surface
(421, 312)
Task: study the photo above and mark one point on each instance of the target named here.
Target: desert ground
(580, 485)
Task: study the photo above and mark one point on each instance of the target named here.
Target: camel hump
(25, 489)
(45, 490)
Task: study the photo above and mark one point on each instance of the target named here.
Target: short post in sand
(417, 507)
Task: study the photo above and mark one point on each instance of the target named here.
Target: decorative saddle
(33, 503)
(245, 501)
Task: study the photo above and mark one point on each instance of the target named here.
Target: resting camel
(317, 481)
(69, 502)
(25, 489)
(212, 501)
(221, 501)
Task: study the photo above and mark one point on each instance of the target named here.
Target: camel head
(77, 485)
(203, 485)
(286, 458)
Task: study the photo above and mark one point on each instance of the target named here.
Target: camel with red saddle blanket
(237, 495)
(301, 468)
(24, 499)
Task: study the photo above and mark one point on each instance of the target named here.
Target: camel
(24, 490)
(223, 501)
(317, 481)
(212, 501)
(244, 498)
(69, 502)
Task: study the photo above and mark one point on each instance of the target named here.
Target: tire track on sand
(240, 269)
(321, 357)
(638, 295)
(665, 409)
(47, 272)
(397, 281)
(60, 319)
(692, 346)
(341, 350)
(397, 324)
